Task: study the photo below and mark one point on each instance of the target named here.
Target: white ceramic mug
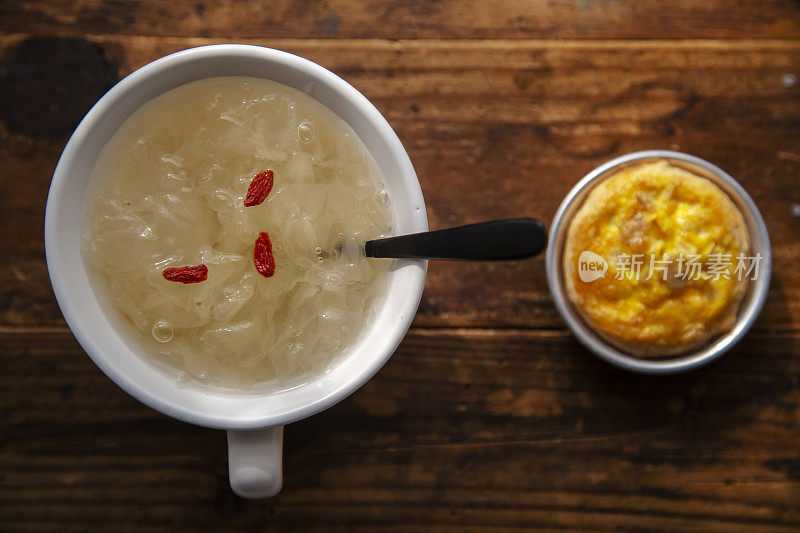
(254, 420)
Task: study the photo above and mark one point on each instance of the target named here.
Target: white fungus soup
(226, 221)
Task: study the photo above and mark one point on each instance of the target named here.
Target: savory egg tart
(669, 241)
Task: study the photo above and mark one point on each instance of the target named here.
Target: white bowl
(93, 324)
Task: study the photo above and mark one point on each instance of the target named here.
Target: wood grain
(466, 430)
(416, 19)
(503, 129)
(490, 416)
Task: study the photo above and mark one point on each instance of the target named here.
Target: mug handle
(255, 462)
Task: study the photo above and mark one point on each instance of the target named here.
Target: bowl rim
(125, 91)
(750, 307)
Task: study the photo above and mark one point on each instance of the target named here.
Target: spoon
(497, 240)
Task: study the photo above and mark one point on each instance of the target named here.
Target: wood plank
(473, 19)
(500, 129)
(463, 430)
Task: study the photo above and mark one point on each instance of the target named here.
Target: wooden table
(490, 416)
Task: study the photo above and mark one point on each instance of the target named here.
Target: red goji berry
(262, 255)
(187, 274)
(259, 188)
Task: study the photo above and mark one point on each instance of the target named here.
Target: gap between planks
(729, 43)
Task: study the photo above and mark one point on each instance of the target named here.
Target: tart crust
(663, 217)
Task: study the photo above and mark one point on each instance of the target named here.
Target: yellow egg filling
(676, 248)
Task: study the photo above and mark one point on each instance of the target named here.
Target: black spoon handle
(515, 238)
